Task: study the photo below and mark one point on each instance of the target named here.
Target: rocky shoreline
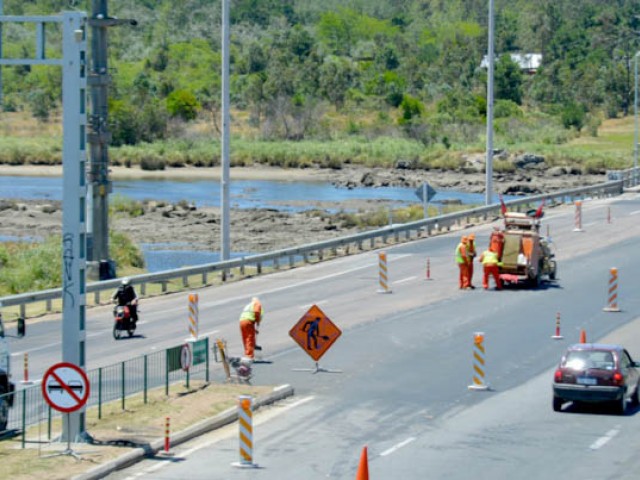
(259, 230)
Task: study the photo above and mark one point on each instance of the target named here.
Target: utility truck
(525, 256)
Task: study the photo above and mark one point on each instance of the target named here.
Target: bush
(183, 104)
(573, 115)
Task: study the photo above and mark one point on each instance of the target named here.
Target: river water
(242, 193)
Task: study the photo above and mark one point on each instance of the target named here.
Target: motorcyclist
(126, 295)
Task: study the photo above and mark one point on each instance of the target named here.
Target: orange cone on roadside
(363, 468)
(583, 336)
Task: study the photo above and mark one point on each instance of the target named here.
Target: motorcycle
(122, 321)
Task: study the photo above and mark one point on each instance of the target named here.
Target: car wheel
(4, 410)
(552, 273)
(635, 398)
(557, 404)
(619, 406)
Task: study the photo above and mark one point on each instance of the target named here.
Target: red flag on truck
(503, 207)
(539, 210)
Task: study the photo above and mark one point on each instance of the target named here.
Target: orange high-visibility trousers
(494, 271)
(248, 331)
(463, 280)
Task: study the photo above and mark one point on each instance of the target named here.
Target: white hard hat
(126, 281)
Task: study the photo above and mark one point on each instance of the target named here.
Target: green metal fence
(113, 383)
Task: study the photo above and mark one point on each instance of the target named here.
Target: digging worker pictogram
(312, 327)
(250, 319)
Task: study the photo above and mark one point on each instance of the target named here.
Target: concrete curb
(224, 418)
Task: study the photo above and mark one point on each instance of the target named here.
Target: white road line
(408, 279)
(319, 302)
(397, 446)
(635, 212)
(602, 441)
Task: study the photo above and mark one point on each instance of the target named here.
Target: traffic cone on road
(363, 468)
(583, 336)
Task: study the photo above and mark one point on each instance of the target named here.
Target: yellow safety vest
(489, 258)
(248, 313)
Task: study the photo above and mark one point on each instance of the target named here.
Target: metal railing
(317, 251)
(113, 384)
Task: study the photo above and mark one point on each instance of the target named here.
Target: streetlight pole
(635, 114)
(224, 180)
(489, 162)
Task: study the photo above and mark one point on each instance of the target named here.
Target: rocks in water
(528, 161)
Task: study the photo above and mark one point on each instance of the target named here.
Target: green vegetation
(327, 83)
(28, 267)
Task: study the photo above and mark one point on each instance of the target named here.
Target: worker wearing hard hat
(462, 259)
(489, 260)
(250, 319)
(471, 253)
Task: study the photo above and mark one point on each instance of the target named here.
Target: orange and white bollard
(167, 438)
(557, 335)
(428, 269)
(383, 277)
(26, 380)
(245, 424)
(612, 299)
(478, 363)
(193, 315)
(578, 217)
(608, 214)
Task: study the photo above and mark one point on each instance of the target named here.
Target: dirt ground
(259, 230)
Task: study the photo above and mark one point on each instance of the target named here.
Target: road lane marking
(635, 212)
(408, 279)
(602, 441)
(397, 446)
(319, 302)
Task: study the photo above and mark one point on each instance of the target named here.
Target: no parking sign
(65, 387)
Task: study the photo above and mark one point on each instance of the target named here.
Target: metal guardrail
(417, 229)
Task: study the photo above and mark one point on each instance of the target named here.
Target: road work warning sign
(315, 333)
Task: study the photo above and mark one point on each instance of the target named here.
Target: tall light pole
(224, 179)
(489, 162)
(635, 113)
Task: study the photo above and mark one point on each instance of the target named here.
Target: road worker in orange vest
(462, 259)
(250, 319)
(471, 252)
(490, 262)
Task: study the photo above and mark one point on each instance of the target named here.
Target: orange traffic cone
(363, 468)
(583, 336)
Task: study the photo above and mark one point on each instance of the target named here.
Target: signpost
(315, 333)
(425, 193)
(65, 387)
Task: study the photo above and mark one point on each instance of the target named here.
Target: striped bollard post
(578, 217)
(193, 315)
(428, 269)
(612, 299)
(383, 277)
(245, 424)
(26, 380)
(478, 363)
(557, 335)
(167, 438)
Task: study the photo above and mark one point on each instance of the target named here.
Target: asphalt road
(406, 361)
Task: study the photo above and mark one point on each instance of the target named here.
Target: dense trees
(297, 63)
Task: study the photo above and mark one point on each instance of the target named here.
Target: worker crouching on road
(471, 253)
(250, 319)
(489, 260)
(462, 259)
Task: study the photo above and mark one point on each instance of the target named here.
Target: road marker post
(608, 214)
(578, 217)
(383, 276)
(613, 292)
(245, 424)
(583, 336)
(429, 269)
(167, 437)
(193, 316)
(26, 380)
(478, 363)
(557, 335)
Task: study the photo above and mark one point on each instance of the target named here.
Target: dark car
(596, 373)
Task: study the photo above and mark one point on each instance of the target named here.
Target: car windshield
(584, 359)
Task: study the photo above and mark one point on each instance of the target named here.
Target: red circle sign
(65, 387)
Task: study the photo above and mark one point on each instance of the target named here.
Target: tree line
(303, 69)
